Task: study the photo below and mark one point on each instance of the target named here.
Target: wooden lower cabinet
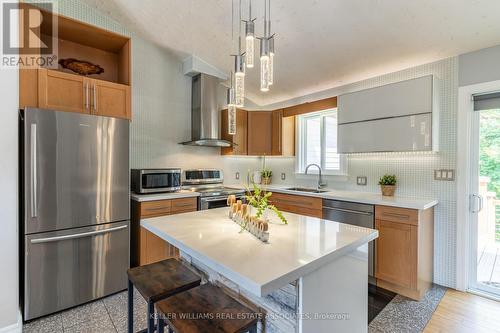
(298, 204)
(146, 247)
(404, 250)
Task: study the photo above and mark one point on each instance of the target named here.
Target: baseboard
(14, 328)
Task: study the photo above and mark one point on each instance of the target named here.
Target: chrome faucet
(320, 178)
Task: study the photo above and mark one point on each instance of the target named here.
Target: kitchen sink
(305, 189)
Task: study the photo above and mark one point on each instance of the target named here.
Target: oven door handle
(219, 198)
(214, 199)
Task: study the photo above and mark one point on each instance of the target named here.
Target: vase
(266, 180)
(388, 190)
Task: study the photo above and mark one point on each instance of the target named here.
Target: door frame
(465, 133)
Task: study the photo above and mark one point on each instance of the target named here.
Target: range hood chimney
(205, 113)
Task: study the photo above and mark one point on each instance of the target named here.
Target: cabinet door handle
(86, 88)
(400, 216)
(152, 209)
(95, 99)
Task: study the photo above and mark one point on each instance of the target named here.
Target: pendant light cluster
(236, 91)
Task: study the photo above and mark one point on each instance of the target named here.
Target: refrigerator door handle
(33, 172)
(80, 235)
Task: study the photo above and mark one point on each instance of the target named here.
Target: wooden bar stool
(205, 309)
(155, 282)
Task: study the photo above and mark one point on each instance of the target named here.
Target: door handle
(95, 99)
(80, 235)
(480, 203)
(87, 100)
(33, 172)
(348, 211)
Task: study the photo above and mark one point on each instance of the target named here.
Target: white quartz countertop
(293, 250)
(355, 196)
(163, 196)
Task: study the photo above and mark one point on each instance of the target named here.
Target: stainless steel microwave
(155, 180)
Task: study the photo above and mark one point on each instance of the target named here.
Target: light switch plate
(361, 180)
(444, 174)
(283, 176)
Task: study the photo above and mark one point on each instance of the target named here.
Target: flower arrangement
(259, 199)
(388, 184)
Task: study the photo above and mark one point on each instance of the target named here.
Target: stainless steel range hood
(205, 113)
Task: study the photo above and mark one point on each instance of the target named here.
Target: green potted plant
(388, 184)
(259, 199)
(265, 173)
(265, 176)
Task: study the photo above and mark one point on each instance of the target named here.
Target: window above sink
(317, 143)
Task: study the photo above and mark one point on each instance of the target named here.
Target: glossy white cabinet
(400, 134)
(398, 117)
(403, 98)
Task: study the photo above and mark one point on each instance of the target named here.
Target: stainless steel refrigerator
(75, 208)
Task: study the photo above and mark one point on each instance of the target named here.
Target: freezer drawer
(66, 268)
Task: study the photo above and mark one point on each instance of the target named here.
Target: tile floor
(108, 315)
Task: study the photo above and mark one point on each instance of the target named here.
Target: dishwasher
(357, 214)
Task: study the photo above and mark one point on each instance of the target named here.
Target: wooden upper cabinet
(110, 99)
(240, 138)
(260, 133)
(62, 91)
(283, 134)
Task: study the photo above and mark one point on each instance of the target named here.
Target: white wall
(9, 284)
(479, 66)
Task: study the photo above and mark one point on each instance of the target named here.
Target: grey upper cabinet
(409, 133)
(397, 117)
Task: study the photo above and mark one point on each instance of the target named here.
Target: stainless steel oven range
(208, 182)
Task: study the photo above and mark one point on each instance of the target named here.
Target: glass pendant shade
(264, 64)
(250, 50)
(264, 73)
(231, 119)
(271, 60)
(239, 89)
(250, 43)
(231, 112)
(239, 81)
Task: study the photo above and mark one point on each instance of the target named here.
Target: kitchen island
(312, 275)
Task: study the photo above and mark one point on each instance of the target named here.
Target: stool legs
(130, 307)
(151, 317)
(161, 325)
(253, 329)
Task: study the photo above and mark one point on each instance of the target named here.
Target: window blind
(489, 101)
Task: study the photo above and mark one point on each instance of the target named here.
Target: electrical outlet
(237, 175)
(283, 176)
(444, 174)
(361, 180)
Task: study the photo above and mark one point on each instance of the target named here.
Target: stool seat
(162, 279)
(206, 309)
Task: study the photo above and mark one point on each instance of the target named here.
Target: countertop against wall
(163, 196)
(355, 196)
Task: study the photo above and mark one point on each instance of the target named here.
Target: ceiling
(320, 44)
